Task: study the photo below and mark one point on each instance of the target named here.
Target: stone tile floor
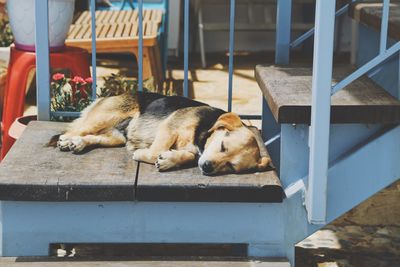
(368, 236)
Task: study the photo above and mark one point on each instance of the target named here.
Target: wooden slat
(114, 16)
(100, 18)
(129, 16)
(112, 30)
(82, 32)
(288, 93)
(87, 18)
(107, 17)
(121, 16)
(157, 16)
(104, 31)
(127, 29)
(191, 185)
(135, 16)
(82, 17)
(73, 31)
(120, 29)
(88, 34)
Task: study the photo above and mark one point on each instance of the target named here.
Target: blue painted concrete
(29, 227)
(270, 128)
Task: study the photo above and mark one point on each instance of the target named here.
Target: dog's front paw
(64, 143)
(165, 161)
(77, 144)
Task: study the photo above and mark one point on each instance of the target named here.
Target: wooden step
(369, 13)
(190, 185)
(288, 93)
(34, 171)
(201, 262)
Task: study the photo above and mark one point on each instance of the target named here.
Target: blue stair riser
(29, 227)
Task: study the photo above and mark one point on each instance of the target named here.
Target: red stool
(21, 63)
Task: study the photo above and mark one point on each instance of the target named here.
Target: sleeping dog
(170, 132)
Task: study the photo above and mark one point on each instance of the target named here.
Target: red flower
(78, 80)
(89, 80)
(58, 76)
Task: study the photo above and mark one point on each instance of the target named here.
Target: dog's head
(232, 147)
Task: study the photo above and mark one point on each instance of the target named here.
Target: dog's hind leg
(111, 138)
(99, 118)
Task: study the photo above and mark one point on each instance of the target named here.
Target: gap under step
(34, 171)
(151, 262)
(287, 91)
(369, 13)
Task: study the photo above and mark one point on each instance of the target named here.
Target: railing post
(231, 51)
(42, 59)
(283, 31)
(186, 49)
(384, 26)
(94, 58)
(140, 48)
(398, 91)
(320, 112)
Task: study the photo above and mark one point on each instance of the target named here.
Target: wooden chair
(117, 32)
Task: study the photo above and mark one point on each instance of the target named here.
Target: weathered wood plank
(33, 171)
(369, 13)
(288, 93)
(191, 185)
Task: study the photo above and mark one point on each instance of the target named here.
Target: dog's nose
(207, 167)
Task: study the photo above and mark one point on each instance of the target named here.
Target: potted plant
(22, 20)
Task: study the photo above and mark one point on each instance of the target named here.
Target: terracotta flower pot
(22, 20)
(19, 125)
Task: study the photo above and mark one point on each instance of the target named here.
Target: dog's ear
(227, 121)
(263, 163)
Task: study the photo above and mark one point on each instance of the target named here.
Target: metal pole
(42, 59)
(231, 50)
(320, 111)
(384, 26)
(186, 50)
(94, 61)
(283, 31)
(140, 56)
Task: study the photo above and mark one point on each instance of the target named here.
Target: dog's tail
(53, 140)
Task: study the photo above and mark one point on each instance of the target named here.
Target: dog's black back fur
(161, 105)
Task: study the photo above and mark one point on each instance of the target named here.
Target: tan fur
(241, 149)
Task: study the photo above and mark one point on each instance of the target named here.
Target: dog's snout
(207, 167)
